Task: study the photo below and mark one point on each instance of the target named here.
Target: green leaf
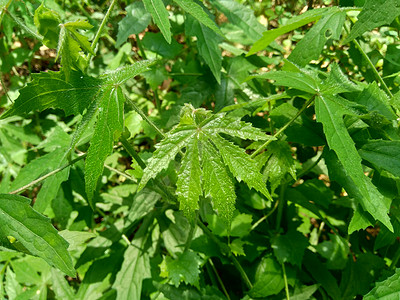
(121, 75)
(301, 81)
(383, 155)
(241, 165)
(298, 21)
(374, 99)
(135, 267)
(329, 111)
(185, 268)
(336, 251)
(241, 16)
(156, 43)
(280, 162)
(160, 16)
(34, 231)
(109, 127)
(387, 289)
(207, 44)
(374, 14)
(189, 181)
(234, 127)
(290, 247)
(47, 21)
(217, 182)
(166, 151)
(199, 14)
(269, 279)
(135, 21)
(328, 27)
(51, 90)
(60, 286)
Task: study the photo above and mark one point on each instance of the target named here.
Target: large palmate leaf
(374, 14)
(160, 16)
(18, 220)
(199, 129)
(101, 97)
(330, 109)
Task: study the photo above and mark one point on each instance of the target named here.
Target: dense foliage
(219, 149)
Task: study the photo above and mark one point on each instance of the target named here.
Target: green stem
(286, 282)
(128, 147)
(374, 70)
(282, 129)
(121, 173)
(227, 252)
(144, 117)
(5, 88)
(221, 283)
(99, 31)
(23, 26)
(395, 259)
(4, 10)
(280, 207)
(140, 46)
(266, 216)
(32, 183)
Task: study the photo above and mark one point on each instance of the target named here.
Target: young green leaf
(184, 268)
(34, 231)
(160, 16)
(207, 44)
(189, 180)
(329, 112)
(328, 27)
(199, 14)
(199, 126)
(135, 21)
(374, 14)
(47, 21)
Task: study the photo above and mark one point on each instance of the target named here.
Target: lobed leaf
(189, 181)
(387, 289)
(217, 182)
(330, 113)
(240, 164)
(34, 231)
(374, 14)
(166, 151)
(51, 90)
(234, 127)
(160, 16)
(109, 126)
